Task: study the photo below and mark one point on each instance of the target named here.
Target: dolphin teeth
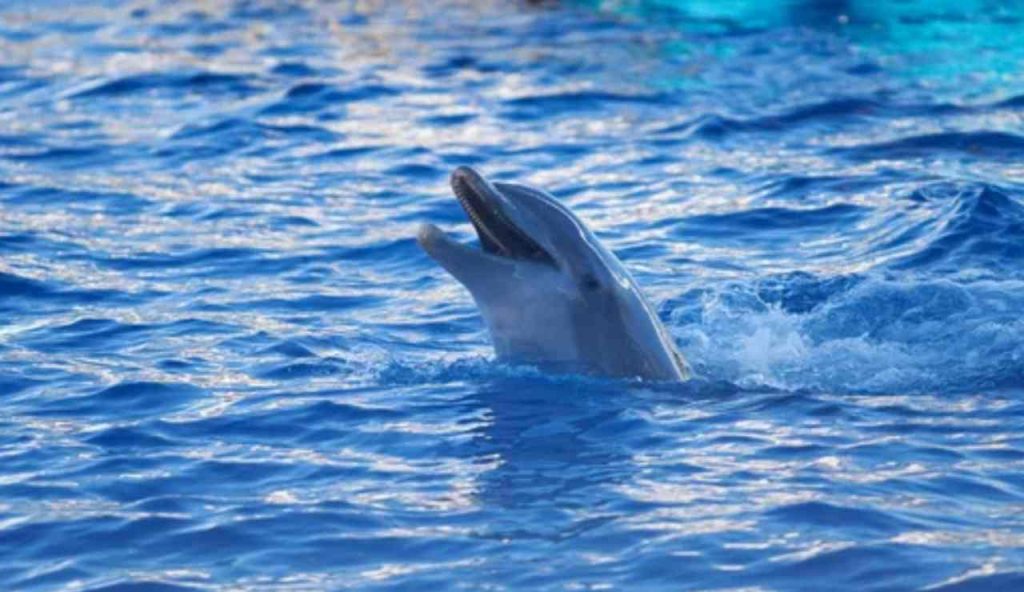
(463, 193)
(498, 234)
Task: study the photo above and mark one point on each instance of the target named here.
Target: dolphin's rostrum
(550, 293)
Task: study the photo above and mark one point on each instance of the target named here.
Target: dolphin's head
(550, 293)
(521, 229)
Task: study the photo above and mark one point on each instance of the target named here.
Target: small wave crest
(980, 229)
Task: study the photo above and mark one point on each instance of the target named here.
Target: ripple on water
(126, 400)
(177, 82)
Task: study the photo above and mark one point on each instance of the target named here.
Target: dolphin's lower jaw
(429, 236)
(550, 294)
(468, 265)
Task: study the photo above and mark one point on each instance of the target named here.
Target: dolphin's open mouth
(485, 207)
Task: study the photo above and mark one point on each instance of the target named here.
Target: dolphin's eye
(589, 282)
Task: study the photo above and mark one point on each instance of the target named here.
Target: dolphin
(550, 294)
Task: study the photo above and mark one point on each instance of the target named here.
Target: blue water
(226, 365)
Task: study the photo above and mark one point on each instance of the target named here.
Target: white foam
(880, 335)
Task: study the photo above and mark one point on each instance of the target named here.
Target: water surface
(226, 365)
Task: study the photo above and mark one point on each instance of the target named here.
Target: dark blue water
(226, 365)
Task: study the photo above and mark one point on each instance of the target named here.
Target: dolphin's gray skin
(549, 293)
